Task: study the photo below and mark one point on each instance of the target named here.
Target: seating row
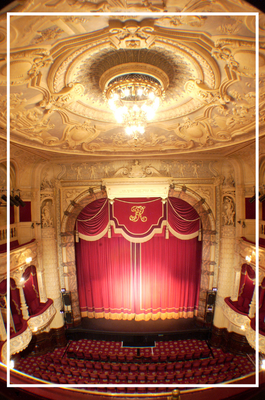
(169, 378)
(141, 367)
(131, 357)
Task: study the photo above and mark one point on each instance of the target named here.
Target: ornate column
(50, 264)
(2, 329)
(24, 307)
(42, 290)
(227, 258)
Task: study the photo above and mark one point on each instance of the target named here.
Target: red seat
(141, 378)
(204, 363)
(170, 378)
(72, 363)
(196, 364)
(142, 368)
(133, 367)
(131, 378)
(141, 390)
(62, 380)
(80, 364)
(124, 368)
(103, 378)
(187, 365)
(89, 366)
(170, 367)
(172, 357)
(122, 378)
(150, 379)
(160, 368)
(112, 378)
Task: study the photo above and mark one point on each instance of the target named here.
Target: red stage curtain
(169, 278)
(104, 277)
(157, 278)
(250, 209)
(182, 217)
(31, 290)
(93, 220)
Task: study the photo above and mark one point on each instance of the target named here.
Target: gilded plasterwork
(56, 64)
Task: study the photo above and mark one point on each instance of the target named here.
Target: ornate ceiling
(57, 62)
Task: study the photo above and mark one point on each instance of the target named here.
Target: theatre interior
(132, 174)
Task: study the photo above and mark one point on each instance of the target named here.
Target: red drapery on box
(149, 279)
(31, 290)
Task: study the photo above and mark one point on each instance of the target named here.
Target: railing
(13, 233)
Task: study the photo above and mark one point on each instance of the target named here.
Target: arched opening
(68, 245)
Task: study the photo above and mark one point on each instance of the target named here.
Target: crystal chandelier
(134, 98)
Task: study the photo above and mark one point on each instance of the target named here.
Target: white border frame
(154, 14)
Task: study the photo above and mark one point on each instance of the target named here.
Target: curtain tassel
(109, 232)
(167, 233)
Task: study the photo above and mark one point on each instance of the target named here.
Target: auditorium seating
(66, 365)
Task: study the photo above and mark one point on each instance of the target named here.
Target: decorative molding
(235, 318)
(251, 338)
(42, 320)
(17, 344)
(137, 188)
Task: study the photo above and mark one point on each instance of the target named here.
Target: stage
(138, 331)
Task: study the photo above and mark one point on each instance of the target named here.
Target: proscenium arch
(68, 242)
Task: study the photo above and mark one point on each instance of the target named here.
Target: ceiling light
(134, 92)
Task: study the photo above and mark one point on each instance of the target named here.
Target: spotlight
(21, 202)
(13, 201)
(253, 198)
(262, 198)
(3, 197)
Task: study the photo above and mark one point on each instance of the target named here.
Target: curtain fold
(92, 222)
(122, 279)
(169, 278)
(31, 290)
(105, 276)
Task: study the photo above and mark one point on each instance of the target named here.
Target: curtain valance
(138, 220)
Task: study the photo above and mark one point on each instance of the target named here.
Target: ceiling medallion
(133, 92)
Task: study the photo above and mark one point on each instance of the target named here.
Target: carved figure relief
(228, 213)
(46, 217)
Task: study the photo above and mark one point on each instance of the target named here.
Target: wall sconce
(28, 260)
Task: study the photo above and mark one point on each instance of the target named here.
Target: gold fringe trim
(138, 317)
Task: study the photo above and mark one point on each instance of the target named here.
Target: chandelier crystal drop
(134, 99)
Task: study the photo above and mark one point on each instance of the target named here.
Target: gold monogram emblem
(138, 210)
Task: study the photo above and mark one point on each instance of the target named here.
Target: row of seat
(87, 377)
(130, 357)
(141, 367)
